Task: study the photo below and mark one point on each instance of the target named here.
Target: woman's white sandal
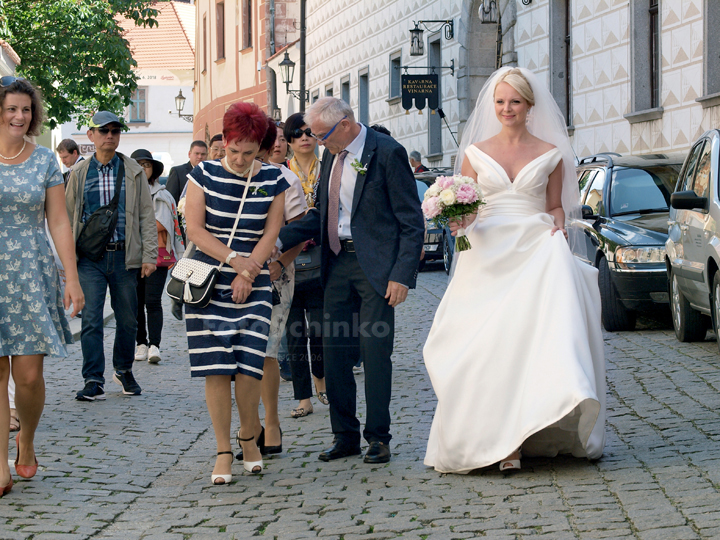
(226, 478)
(511, 464)
(250, 466)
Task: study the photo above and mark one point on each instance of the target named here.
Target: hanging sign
(420, 89)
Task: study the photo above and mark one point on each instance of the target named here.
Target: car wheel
(615, 316)
(715, 302)
(690, 325)
(447, 253)
(421, 265)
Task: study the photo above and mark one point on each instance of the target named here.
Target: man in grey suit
(371, 230)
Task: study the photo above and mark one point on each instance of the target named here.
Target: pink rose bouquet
(452, 197)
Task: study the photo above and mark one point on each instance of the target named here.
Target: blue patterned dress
(32, 317)
(225, 338)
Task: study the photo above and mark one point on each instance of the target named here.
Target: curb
(76, 322)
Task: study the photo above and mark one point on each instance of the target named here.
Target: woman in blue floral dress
(32, 317)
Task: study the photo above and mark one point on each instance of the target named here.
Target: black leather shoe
(377, 453)
(339, 450)
(176, 308)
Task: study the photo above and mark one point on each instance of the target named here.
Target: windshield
(642, 190)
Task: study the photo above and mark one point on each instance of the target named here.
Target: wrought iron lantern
(287, 70)
(180, 105)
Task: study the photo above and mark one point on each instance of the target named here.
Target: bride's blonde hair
(517, 80)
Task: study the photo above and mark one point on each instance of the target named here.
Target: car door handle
(683, 228)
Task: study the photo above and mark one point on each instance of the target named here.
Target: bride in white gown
(515, 353)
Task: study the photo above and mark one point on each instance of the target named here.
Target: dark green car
(623, 231)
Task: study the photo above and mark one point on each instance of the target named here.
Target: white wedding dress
(515, 353)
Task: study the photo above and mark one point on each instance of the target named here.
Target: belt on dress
(115, 246)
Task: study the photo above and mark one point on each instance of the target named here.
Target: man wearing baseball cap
(131, 252)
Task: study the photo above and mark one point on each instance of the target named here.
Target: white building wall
(602, 74)
(346, 37)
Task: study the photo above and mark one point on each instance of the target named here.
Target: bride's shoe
(253, 467)
(222, 479)
(512, 464)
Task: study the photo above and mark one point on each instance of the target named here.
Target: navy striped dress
(225, 338)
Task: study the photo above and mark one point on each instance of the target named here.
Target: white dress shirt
(347, 183)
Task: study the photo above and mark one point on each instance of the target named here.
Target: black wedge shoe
(266, 450)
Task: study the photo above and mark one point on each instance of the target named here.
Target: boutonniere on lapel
(359, 167)
(259, 191)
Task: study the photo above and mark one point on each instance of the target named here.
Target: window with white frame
(394, 86)
(711, 55)
(364, 96)
(345, 89)
(646, 62)
(137, 112)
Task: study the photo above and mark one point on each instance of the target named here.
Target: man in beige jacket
(132, 250)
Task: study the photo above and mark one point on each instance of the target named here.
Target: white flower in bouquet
(447, 197)
(433, 191)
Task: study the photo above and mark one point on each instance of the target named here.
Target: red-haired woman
(227, 339)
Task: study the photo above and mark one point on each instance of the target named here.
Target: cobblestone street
(140, 467)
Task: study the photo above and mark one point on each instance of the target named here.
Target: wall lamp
(417, 46)
(180, 105)
(287, 70)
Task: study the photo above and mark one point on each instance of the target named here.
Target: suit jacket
(177, 180)
(386, 221)
(66, 174)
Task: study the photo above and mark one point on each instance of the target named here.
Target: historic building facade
(630, 76)
(645, 73)
(234, 40)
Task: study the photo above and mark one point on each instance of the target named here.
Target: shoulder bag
(307, 267)
(100, 226)
(192, 281)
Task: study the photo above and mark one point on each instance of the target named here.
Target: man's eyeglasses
(104, 131)
(7, 80)
(322, 138)
(298, 133)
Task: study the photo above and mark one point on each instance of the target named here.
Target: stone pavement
(140, 467)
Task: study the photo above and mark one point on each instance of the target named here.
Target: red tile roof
(170, 44)
(9, 51)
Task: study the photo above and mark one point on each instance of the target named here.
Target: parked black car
(623, 230)
(439, 243)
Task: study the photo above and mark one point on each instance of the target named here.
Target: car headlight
(639, 255)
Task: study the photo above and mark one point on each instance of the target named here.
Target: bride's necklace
(16, 155)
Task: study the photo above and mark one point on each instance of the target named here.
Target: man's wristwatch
(282, 268)
(231, 257)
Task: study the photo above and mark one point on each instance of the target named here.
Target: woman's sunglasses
(7, 80)
(298, 133)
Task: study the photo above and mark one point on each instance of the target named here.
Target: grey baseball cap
(103, 118)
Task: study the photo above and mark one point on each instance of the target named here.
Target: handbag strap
(248, 173)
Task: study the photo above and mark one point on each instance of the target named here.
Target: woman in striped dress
(227, 339)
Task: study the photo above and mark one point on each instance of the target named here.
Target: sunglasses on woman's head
(298, 133)
(7, 80)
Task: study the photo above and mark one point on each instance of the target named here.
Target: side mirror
(588, 212)
(688, 200)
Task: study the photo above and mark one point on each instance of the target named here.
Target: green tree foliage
(74, 51)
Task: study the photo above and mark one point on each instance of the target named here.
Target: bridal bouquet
(452, 197)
